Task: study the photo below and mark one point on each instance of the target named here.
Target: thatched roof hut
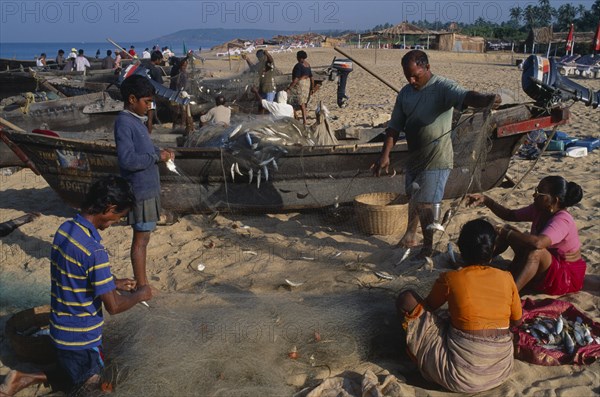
(404, 28)
(539, 36)
(449, 41)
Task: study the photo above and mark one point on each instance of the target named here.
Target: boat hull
(306, 177)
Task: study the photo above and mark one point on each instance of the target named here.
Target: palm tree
(565, 16)
(545, 12)
(516, 13)
(530, 15)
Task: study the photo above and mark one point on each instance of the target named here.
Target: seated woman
(548, 257)
(473, 350)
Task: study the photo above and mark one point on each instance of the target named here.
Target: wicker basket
(36, 349)
(376, 216)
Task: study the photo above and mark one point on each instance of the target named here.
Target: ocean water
(27, 51)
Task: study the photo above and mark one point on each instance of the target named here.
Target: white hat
(282, 97)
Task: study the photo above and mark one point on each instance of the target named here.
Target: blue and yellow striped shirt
(80, 273)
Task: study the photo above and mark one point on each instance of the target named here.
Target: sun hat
(74, 49)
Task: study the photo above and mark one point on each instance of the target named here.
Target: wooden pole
(121, 49)
(378, 77)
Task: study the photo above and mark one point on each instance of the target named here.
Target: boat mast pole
(372, 73)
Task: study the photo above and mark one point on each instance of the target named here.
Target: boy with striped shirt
(81, 282)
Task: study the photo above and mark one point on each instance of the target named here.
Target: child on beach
(81, 283)
(138, 163)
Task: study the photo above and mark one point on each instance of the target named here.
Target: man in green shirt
(423, 111)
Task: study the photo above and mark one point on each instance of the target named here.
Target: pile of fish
(560, 333)
(253, 147)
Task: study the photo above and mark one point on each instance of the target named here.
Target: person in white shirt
(73, 53)
(81, 62)
(220, 114)
(146, 54)
(41, 61)
(280, 108)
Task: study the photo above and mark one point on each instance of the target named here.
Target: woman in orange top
(472, 351)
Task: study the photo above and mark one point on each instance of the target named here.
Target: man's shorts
(431, 185)
(80, 365)
(269, 96)
(144, 215)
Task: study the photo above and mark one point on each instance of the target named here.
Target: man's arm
(116, 303)
(477, 100)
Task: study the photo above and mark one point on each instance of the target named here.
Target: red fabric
(45, 132)
(527, 349)
(563, 277)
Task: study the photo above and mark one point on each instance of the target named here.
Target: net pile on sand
(226, 342)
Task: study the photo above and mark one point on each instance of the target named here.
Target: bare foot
(407, 241)
(16, 381)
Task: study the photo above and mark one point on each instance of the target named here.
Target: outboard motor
(172, 95)
(543, 83)
(341, 68)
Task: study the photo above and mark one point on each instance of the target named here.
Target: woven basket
(36, 349)
(376, 215)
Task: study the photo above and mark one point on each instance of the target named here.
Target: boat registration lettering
(72, 186)
(47, 155)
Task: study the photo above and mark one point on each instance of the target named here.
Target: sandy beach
(227, 330)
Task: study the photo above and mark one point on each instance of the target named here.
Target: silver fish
(267, 161)
(404, 256)
(233, 172)
(250, 176)
(578, 333)
(558, 327)
(275, 166)
(248, 139)
(235, 131)
(265, 172)
(451, 253)
(237, 169)
(587, 334)
(551, 346)
(534, 333)
(569, 344)
(541, 327)
(258, 177)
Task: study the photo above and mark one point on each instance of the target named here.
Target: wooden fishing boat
(64, 114)
(306, 176)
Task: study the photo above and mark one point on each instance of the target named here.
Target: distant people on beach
(82, 285)
(219, 115)
(98, 53)
(423, 111)
(138, 163)
(81, 62)
(179, 82)
(132, 52)
(302, 85)
(41, 61)
(70, 64)
(73, 53)
(548, 257)
(108, 62)
(167, 54)
(471, 350)
(60, 58)
(156, 74)
(146, 53)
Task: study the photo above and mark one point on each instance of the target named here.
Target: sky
(66, 20)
